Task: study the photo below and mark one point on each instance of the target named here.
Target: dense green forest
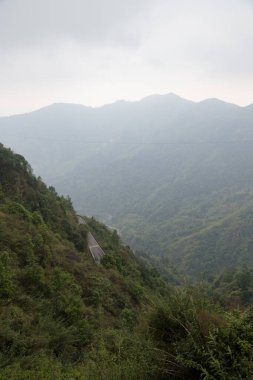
(175, 177)
(62, 316)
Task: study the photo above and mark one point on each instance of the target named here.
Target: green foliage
(7, 280)
(66, 296)
(17, 209)
(234, 287)
(55, 302)
(64, 317)
(200, 340)
(28, 198)
(228, 351)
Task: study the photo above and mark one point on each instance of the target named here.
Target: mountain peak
(215, 102)
(164, 97)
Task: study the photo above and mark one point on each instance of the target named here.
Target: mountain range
(168, 173)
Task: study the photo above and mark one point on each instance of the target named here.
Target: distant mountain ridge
(160, 169)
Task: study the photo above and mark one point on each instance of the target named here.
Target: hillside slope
(56, 303)
(64, 317)
(159, 170)
(225, 244)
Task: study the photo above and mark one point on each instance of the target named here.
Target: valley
(160, 170)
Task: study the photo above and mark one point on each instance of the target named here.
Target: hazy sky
(97, 51)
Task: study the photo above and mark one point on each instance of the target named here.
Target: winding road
(96, 251)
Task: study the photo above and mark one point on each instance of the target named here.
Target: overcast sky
(97, 51)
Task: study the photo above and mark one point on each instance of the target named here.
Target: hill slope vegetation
(160, 170)
(64, 317)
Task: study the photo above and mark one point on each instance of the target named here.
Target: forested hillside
(56, 305)
(161, 171)
(226, 243)
(62, 316)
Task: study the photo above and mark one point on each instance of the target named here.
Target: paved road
(81, 220)
(96, 251)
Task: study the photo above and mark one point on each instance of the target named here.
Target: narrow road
(96, 251)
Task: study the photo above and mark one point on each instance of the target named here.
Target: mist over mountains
(161, 170)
